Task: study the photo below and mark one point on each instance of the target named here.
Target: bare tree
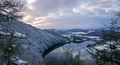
(10, 9)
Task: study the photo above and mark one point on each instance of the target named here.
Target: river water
(75, 48)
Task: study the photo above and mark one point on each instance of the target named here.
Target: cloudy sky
(66, 14)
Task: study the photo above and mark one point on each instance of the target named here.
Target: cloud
(68, 13)
(100, 8)
(78, 21)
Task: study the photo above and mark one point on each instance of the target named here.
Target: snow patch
(16, 34)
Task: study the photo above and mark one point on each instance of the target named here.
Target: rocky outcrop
(34, 44)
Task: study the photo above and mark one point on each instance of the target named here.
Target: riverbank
(75, 49)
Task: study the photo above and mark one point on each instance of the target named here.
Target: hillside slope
(35, 43)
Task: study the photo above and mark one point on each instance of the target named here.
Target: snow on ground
(15, 34)
(34, 44)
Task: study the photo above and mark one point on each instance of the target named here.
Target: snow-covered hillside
(34, 44)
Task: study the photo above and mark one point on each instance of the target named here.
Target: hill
(34, 44)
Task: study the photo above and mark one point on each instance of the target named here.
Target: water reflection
(73, 49)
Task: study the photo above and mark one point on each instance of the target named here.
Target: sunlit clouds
(69, 13)
(37, 21)
(30, 4)
(31, 1)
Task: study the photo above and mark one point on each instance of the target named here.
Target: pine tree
(9, 47)
(110, 42)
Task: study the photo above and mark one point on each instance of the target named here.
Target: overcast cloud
(69, 13)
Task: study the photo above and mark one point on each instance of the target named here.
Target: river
(76, 47)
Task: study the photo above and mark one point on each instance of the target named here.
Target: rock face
(34, 44)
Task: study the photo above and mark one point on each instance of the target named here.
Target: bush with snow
(10, 47)
(18, 61)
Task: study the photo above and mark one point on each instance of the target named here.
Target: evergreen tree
(9, 47)
(109, 54)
